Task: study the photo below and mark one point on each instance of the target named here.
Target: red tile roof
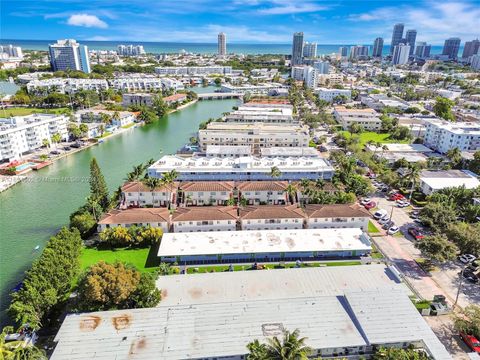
(205, 213)
(175, 97)
(138, 186)
(262, 185)
(136, 215)
(272, 212)
(207, 186)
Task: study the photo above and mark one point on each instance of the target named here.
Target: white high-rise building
(359, 52)
(130, 50)
(21, 134)
(323, 67)
(443, 135)
(401, 53)
(69, 55)
(12, 51)
(222, 44)
(309, 50)
(307, 74)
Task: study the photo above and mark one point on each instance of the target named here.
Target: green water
(32, 211)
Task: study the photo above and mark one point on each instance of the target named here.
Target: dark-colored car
(416, 233)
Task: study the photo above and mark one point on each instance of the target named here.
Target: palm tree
(290, 347)
(56, 138)
(164, 268)
(152, 183)
(455, 156)
(168, 179)
(275, 172)
(292, 193)
(136, 172)
(18, 349)
(413, 177)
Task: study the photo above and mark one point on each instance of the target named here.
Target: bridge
(219, 96)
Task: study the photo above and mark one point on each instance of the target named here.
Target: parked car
(402, 203)
(467, 258)
(416, 233)
(370, 205)
(470, 276)
(471, 341)
(380, 214)
(396, 196)
(55, 152)
(388, 225)
(365, 201)
(393, 230)
(67, 148)
(384, 220)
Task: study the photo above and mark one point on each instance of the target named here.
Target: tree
(107, 286)
(401, 133)
(465, 236)
(147, 116)
(159, 106)
(469, 321)
(455, 156)
(45, 142)
(290, 347)
(150, 235)
(443, 108)
(218, 81)
(98, 186)
(169, 179)
(152, 183)
(83, 128)
(437, 248)
(85, 223)
(106, 118)
(117, 237)
(399, 354)
(56, 138)
(74, 131)
(438, 215)
(146, 294)
(136, 172)
(275, 172)
(18, 350)
(292, 193)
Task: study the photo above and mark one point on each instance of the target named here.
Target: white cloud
(285, 8)
(86, 20)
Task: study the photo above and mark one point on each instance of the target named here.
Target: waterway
(32, 211)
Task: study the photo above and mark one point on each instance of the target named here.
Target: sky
(244, 21)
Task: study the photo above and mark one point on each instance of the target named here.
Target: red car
(370, 205)
(471, 341)
(417, 235)
(397, 196)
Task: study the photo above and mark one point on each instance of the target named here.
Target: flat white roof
(452, 178)
(403, 148)
(289, 151)
(278, 284)
(263, 241)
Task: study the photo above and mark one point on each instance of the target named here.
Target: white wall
(322, 223)
(211, 225)
(271, 224)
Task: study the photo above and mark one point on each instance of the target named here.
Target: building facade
(377, 47)
(442, 136)
(397, 36)
(330, 94)
(401, 53)
(411, 37)
(137, 99)
(309, 50)
(222, 44)
(471, 48)
(69, 55)
(367, 118)
(451, 47)
(297, 49)
(422, 50)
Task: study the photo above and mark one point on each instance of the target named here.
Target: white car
(365, 201)
(467, 258)
(380, 214)
(393, 230)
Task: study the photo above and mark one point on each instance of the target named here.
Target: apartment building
(228, 151)
(289, 152)
(22, 134)
(271, 218)
(198, 193)
(136, 193)
(154, 217)
(442, 135)
(269, 113)
(330, 79)
(204, 219)
(118, 118)
(336, 216)
(137, 99)
(241, 169)
(263, 192)
(367, 118)
(380, 101)
(193, 70)
(260, 89)
(330, 94)
(256, 135)
(144, 83)
(66, 86)
(432, 181)
(308, 74)
(69, 55)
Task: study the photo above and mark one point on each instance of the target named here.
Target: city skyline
(271, 21)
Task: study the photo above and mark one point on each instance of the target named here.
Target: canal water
(32, 211)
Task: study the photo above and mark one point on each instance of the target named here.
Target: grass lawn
(222, 268)
(27, 111)
(128, 126)
(372, 228)
(370, 135)
(136, 257)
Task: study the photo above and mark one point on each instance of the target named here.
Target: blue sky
(244, 21)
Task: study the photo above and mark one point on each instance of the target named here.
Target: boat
(36, 248)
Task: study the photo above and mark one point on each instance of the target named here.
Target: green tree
(275, 172)
(74, 131)
(56, 138)
(218, 81)
(152, 183)
(438, 215)
(168, 179)
(17, 350)
(45, 143)
(159, 106)
(98, 186)
(85, 223)
(83, 128)
(117, 237)
(146, 294)
(469, 321)
(289, 347)
(443, 108)
(147, 116)
(437, 248)
(465, 236)
(455, 156)
(399, 354)
(292, 193)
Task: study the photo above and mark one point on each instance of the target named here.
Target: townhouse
(271, 218)
(154, 217)
(198, 193)
(263, 192)
(136, 194)
(336, 216)
(202, 219)
(366, 118)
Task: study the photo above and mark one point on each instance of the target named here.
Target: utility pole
(460, 284)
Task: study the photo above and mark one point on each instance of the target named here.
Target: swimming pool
(24, 166)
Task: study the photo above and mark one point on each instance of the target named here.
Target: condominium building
(269, 113)
(359, 52)
(401, 53)
(475, 62)
(309, 50)
(367, 118)
(222, 44)
(145, 84)
(343, 51)
(380, 101)
(11, 52)
(193, 70)
(69, 55)
(397, 36)
(323, 67)
(410, 37)
(422, 50)
(257, 135)
(241, 169)
(330, 79)
(330, 94)
(432, 181)
(443, 135)
(137, 99)
(130, 50)
(308, 74)
(153, 217)
(471, 48)
(297, 49)
(22, 134)
(377, 47)
(260, 89)
(66, 86)
(451, 47)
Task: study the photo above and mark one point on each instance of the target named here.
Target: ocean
(198, 48)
